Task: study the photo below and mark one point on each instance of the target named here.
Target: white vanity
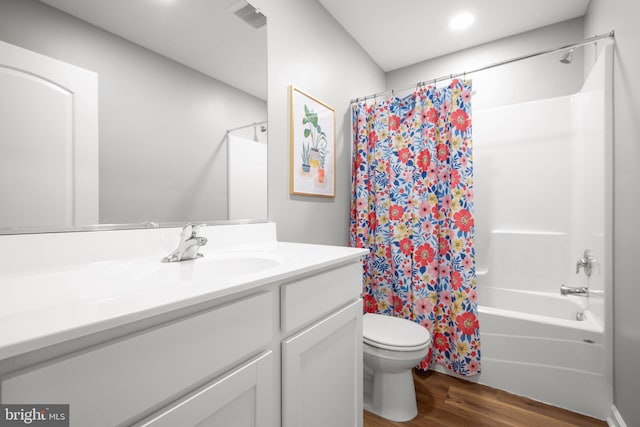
(255, 333)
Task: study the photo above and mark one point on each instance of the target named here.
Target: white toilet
(392, 347)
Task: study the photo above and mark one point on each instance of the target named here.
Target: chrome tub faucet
(188, 245)
(586, 262)
(581, 291)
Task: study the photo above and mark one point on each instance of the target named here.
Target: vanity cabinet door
(241, 398)
(322, 372)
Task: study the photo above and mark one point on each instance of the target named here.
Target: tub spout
(581, 291)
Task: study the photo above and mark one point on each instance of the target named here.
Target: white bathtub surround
(540, 174)
(542, 198)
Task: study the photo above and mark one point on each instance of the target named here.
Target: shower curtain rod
(247, 126)
(610, 34)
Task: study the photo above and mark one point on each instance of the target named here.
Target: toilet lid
(394, 333)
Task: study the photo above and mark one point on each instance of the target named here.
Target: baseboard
(615, 419)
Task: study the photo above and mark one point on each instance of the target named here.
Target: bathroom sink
(109, 281)
(225, 265)
(215, 268)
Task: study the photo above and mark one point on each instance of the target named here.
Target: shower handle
(586, 262)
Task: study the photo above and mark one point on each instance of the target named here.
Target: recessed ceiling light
(461, 21)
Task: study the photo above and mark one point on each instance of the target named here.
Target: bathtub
(532, 345)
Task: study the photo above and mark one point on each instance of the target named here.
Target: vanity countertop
(45, 306)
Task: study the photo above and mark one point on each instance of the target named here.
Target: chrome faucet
(581, 291)
(586, 262)
(188, 246)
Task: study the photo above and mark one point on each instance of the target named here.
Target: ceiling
(202, 34)
(206, 36)
(403, 32)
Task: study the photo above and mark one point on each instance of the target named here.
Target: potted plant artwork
(312, 133)
(306, 157)
(313, 130)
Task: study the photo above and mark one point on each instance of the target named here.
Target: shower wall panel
(539, 189)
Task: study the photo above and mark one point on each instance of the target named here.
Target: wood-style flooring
(445, 401)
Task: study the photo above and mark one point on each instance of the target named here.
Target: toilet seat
(394, 333)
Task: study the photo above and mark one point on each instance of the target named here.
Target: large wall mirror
(171, 79)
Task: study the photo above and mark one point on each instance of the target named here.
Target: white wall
(161, 124)
(621, 16)
(535, 78)
(309, 49)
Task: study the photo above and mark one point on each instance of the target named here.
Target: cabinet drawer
(114, 383)
(311, 298)
(241, 398)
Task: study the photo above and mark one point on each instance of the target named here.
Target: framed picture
(313, 146)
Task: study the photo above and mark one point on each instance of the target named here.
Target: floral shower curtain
(412, 204)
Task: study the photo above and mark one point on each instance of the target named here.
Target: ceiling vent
(248, 14)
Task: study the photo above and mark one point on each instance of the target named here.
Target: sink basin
(225, 265)
(215, 268)
(108, 281)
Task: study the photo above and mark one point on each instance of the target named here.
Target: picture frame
(312, 145)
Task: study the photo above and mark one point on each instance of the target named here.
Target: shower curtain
(412, 205)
